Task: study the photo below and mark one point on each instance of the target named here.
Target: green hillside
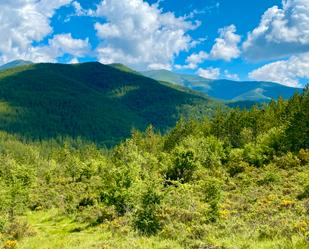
(92, 101)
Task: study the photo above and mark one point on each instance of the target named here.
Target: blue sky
(240, 40)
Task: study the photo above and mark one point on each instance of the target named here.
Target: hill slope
(14, 64)
(94, 101)
(226, 89)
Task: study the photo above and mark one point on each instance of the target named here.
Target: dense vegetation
(236, 180)
(93, 101)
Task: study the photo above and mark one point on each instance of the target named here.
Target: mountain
(96, 102)
(14, 64)
(227, 90)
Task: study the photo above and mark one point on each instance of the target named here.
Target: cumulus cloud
(225, 48)
(66, 44)
(194, 60)
(281, 32)
(209, 73)
(286, 72)
(226, 45)
(140, 35)
(24, 22)
(57, 46)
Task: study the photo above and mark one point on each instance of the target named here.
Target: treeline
(238, 177)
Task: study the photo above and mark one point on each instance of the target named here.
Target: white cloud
(281, 32)
(225, 48)
(65, 44)
(195, 59)
(286, 72)
(226, 45)
(231, 76)
(140, 35)
(209, 73)
(23, 22)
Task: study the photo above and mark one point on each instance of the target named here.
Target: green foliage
(287, 161)
(233, 180)
(183, 165)
(212, 195)
(269, 178)
(265, 148)
(305, 193)
(208, 151)
(146, 219)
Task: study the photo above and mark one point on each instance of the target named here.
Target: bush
(212, 195)
(267, 146)
(209, 151)
(235, 164)
(146, 219)
(19, 229)
(269, 178)
(303, 155)
(95, 215)
(287, 161)
(304, 194)
(183, 165)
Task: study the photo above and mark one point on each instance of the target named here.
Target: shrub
(209, 151)
(287, 161)
(146, 219)
(97, 214)
(235, 164)
(303, 155)
(183, 166)
(269, 178)
(267, 146)
(304, 194)
(19, 229)
(212, 195)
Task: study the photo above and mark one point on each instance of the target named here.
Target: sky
(265, 40)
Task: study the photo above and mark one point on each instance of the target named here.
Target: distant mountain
(93, 101)
(15, 63)
(226, 90)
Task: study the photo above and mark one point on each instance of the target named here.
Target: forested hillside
(93, 101)
(236, 180)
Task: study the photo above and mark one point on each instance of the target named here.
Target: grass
(265, 215)
(59, 232)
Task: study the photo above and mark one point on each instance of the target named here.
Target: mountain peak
(122, 68)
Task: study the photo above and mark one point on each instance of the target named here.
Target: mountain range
(226, 90)
(93, 101)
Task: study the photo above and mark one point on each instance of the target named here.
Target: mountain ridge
(15, 63)
(258, 91)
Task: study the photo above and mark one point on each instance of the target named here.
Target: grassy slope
(253, 216)
(91, 100)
